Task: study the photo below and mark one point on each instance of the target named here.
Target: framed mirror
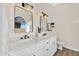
(43, 22)
(23, 20)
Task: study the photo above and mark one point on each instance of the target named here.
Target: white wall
(67, 24)
(3, 29)
(41, 7)
(0, 29)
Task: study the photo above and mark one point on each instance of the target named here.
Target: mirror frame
(25, 10)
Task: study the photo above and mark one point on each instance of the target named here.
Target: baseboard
(71, 48)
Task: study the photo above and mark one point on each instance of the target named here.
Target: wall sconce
(45, 15)
(27, 5)
(23, 5)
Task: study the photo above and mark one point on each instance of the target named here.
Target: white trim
(4, 29)
(72, 48)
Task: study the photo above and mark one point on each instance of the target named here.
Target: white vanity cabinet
(22, 52)
(44, 47)
(49, 47)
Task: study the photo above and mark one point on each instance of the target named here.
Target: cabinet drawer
(23, 52)
(42, 52)
(42, 45)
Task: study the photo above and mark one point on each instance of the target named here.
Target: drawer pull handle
(47, 49)
(47, 42)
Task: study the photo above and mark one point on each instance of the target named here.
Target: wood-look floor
(66, 52)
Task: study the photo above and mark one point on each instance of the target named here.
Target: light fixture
(27, 5)
(45, 15)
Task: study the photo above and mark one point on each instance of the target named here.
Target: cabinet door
(41, 45)
(23, 52)
(52, 47)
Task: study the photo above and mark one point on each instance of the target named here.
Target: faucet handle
(21, 38)
(27, 36)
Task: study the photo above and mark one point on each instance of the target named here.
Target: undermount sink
(23, 40)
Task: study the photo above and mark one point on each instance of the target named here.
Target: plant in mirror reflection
(39, 29)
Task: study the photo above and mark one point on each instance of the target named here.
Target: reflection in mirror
(23, 20)
(19, 24)
(43, 22)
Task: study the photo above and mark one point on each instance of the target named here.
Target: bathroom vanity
(40, 46)
(45, 44)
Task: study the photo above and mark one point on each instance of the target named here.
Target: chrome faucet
(25, 37)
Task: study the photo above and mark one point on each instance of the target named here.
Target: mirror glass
(23, 20)
(43, 23)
